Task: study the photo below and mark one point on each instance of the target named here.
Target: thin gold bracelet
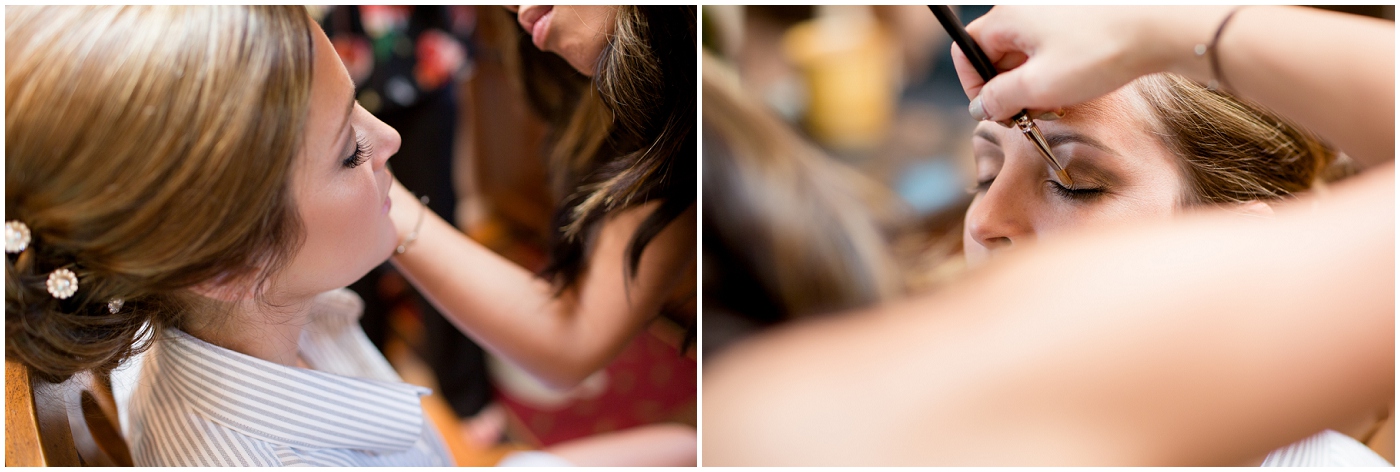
(412, 236)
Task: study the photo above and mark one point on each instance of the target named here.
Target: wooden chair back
(73, 423)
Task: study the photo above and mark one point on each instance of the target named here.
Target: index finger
(967, 74)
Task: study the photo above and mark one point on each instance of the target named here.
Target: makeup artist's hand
(1053, 57)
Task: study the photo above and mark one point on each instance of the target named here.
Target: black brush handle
(969, 47)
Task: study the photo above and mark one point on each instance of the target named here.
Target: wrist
(406, 240)
(1183, 33)
(403, 211)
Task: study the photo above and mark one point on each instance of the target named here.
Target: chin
(364, 265)
(585, 68)
(579, 58)
(390, 240)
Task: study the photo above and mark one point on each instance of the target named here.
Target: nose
(386, 142)
(997, 220)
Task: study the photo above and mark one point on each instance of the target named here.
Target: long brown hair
(149, 150)
(1231, 150)
(621, 139)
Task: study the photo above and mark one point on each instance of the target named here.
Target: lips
(535, 19)
(388, 184)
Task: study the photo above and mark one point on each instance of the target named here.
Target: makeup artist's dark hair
(621, 139)
(1232, 151)
(148, 150)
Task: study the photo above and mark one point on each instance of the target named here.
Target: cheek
(1153, 193)
(347, 230)
(1152, 184)
(1125, 206)
(1071, 215)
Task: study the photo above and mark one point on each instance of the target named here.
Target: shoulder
(169, 432)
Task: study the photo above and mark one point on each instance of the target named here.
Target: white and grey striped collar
(287, 405)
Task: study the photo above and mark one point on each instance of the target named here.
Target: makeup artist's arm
(1232, 336)
(515, 315)
(1332, 73)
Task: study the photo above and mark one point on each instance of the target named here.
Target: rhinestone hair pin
(17, 237)
(62, 283)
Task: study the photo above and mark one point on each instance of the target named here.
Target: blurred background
(867, 99)
(872, 85)
(444, 77)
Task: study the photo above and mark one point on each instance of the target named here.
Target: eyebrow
(1053, 139)
(986, 134)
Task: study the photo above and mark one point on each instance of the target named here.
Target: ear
(1254, 208)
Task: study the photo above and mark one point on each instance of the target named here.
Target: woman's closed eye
(1078, 193)
(1081, 193)
(982, 185)
(363, 151)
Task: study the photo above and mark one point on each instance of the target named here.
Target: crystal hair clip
(17, 237)
(61, 283)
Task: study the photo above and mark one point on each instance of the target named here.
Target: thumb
(1007, 94)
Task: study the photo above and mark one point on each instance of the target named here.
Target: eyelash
(1077, 194)
(363, 151)
(982, 186)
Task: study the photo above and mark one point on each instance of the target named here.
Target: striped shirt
(197, 404)
(1326, 449)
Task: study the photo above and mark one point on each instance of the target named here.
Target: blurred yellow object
(850, 65)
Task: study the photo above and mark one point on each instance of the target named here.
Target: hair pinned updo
(149, 150)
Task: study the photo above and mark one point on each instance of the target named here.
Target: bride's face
(341, 184)
(1121, 171)
(577, 33)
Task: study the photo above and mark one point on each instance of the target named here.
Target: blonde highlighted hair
(149, 150)
(1231, 151)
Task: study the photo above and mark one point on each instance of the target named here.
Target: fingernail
(1049, 116)
(975, 109)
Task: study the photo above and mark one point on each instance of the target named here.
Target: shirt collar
(293, 406)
